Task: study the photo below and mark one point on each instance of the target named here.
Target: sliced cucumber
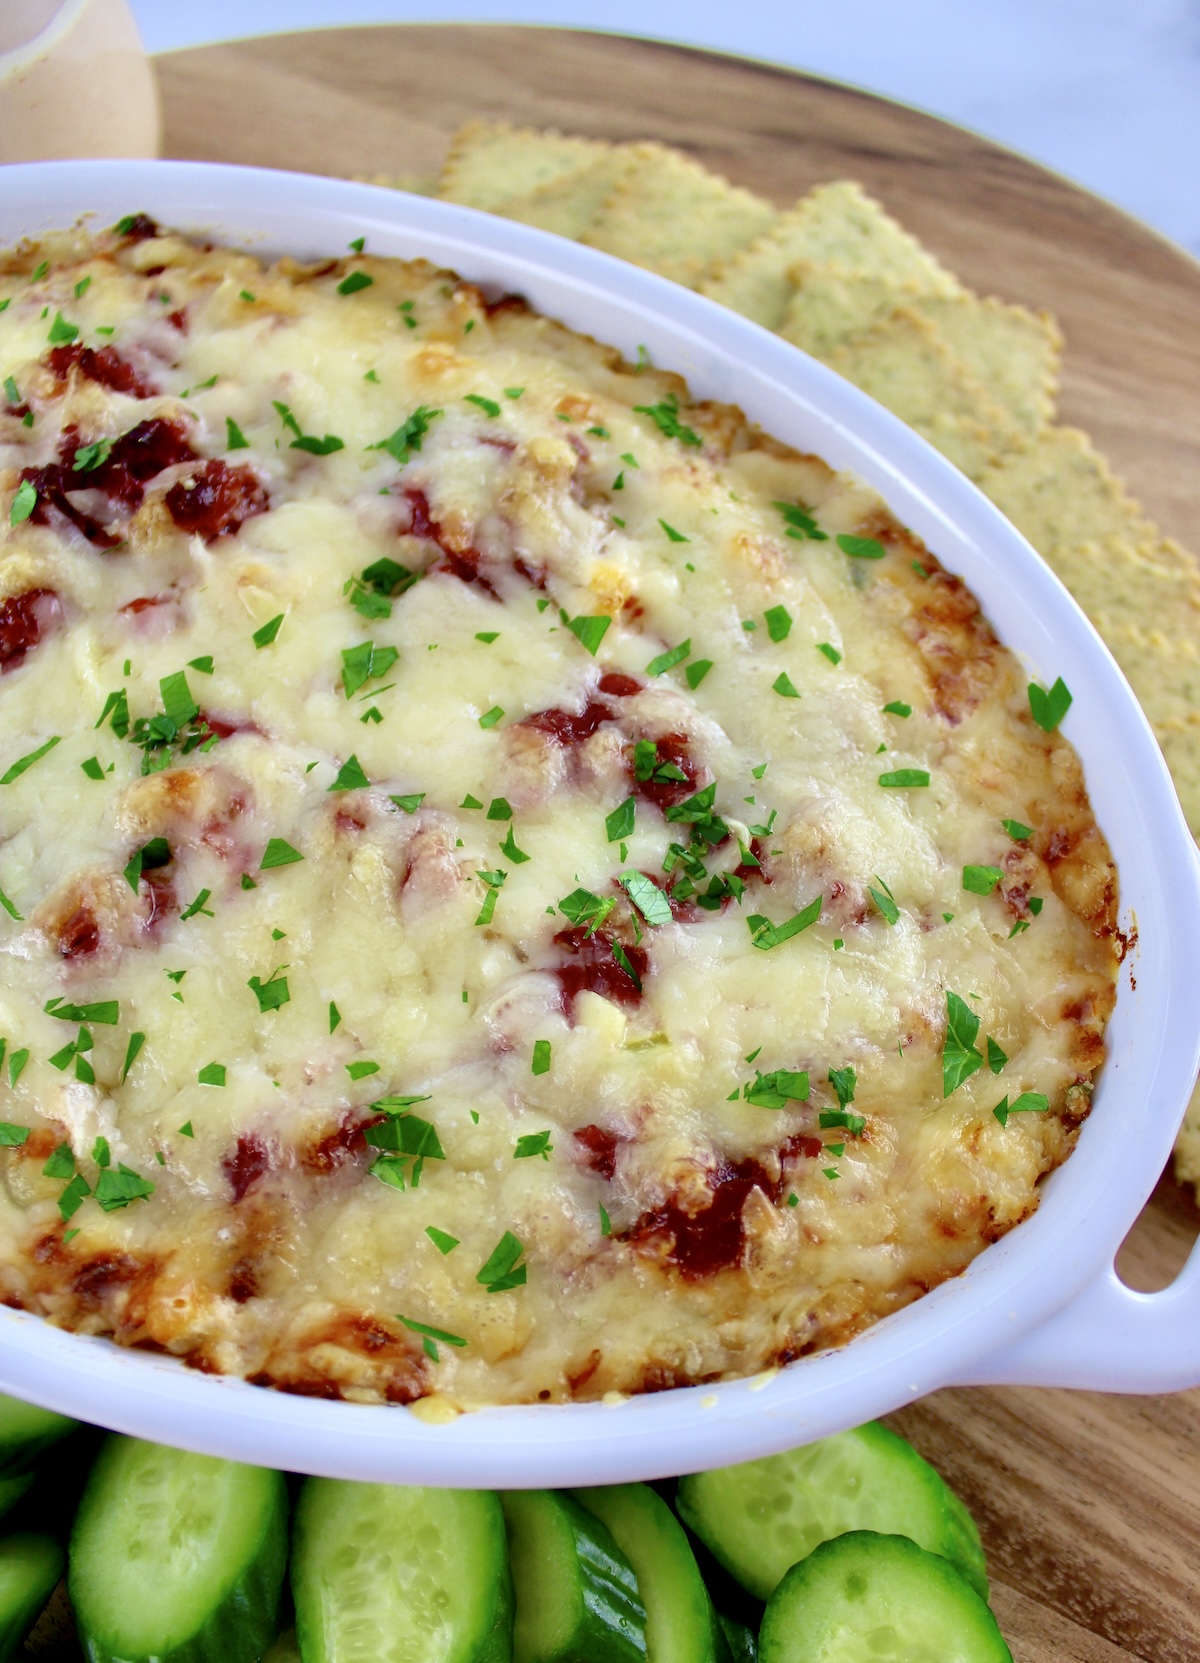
(681, 1625)
(577, 1595)
(742, 1641)
(863, 1596)
(965, 1551)
(30, 1567)
(389, 1573)
(12, 1489)
(760, 1518)
(177, 1558)
(25, 1431)
(285, 1650)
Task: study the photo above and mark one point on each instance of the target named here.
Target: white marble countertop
(1104, 91)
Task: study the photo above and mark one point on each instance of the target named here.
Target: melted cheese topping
(607, 1175)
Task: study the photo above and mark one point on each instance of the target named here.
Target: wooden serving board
(1089, 1505)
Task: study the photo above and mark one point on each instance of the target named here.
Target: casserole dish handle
(1108, 1339)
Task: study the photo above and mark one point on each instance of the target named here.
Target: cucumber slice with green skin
(742, 1641)
(760, 1518)
(12, 1489)
(25, 1431)
(391, 1573)
(863, 1595)
(177, 1558)
(285, 1650)
(30, 1567)
(577, 1595)
(966, 1550)
(681, 1625)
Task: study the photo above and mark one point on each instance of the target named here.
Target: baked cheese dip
(514, 884)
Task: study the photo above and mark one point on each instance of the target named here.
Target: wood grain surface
(1089, 1505)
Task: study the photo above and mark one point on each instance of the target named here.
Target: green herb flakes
(905, 777)
(960, 1059)
(830, 652)
(409, 804)
(61, 1163)
(279, 852)
(619, 824)
(406, 441)
(198, 907)
(115, 1190)
(509, 848)
(668, 660)
(92, 768)
(665, 417)
(235, 439)
(62, 332)
(541, 1057)
(897, 708)
(885, 901)
(784, 686)
(16, 1065)
(25, 762)
(996, 1058)
(861, 548)
(800, 522)
(501, 1271)
(1018, 832)
(441, 1240)
(23, 503)
(362, 1069)
(491, 717)
(646, 897)
(487, 405)
(263, 637)
(271, 994)
(1049, 708)
(673, 535)
(588, 630)
(354, 281)
(350, 776)
(779, 622)
(765, 935)
(696, 672)
(531, 1144)
(12, 912)
(363, 663)
(499, 809)
(1029, 1102)
(73, 1197)
(212, 1074)
(495, 882)
(12, 1137)
(981, 880)
(776, 1090)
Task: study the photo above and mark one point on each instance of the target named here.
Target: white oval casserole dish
(1042, 1306)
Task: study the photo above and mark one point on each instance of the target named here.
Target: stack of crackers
(836, 275)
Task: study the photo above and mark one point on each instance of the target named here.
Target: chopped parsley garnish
(905, 776)
(996, 1058)
(264, 636)
(23, 503)
(784, 687)
(1020, 925)
(24, 762)
(1049, 708)
(270, 994)
(204, 665)
(861, 548)
(16, 1065)
(364, 663)
(495, 882)
(696, 672)
(105, 1012)
(646, 896)
(487, 405)
(235, 439)
(132, 1052)
(406, 440)
(403, 1137)
(73, 1197)
(12, 912)
(665, 417)
(1017, 831)
(431, 1337)
(697, 811)
(441, 1240)
(116, 707)
(531, 1144)
(350, 776)
(765, 935)
(279, 852)
(830, 651)
(499, 809)
(372, 594)
(61, 1163)
(981, 880)
(151, 855)
(212, 1074)
(845, 1083)
(897, 708)
(513, 392)
(244, 294)
(11, 391)
(12, 1137)
(501, 1270)
(61, 332)
(800, 522)
(582, 907)
(115, 1190)
(619, 824)
(776, 1090)
(361, 1069)
(779, 622)
(1029, 1102)
(605, 1221)
(198, 907)
(1036, 903)
(541, 1057)
(668, 660)
(509, 848)
(491, 717)
(90, 457)
(410, 803)
(470, 802)
(588, 630)
(855, 1124)
(248, 882)
(487, 636)
(960, 1059)
(884, 900)
(354, 281)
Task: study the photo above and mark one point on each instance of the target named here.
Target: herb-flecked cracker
(830, 303)
(570, 203)
(490, 162)
(672, 215)
(836, 223)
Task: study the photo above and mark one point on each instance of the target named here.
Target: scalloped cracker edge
(489, 163)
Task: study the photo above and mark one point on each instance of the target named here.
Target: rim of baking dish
(1153, 1039)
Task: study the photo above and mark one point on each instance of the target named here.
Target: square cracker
(1060, 492)
(1015, 353)
(675, 217)
(830, 303)
(904, 363)
(570, 203)
(836, 224)
(490, 162)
